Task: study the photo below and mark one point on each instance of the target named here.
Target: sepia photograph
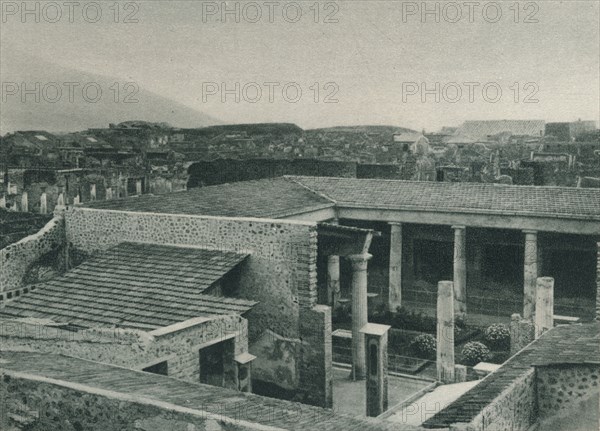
(328, 215)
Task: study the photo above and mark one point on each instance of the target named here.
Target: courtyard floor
(349, 396)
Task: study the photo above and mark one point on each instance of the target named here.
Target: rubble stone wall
(17, 258)
(560, 387)
(128, 348)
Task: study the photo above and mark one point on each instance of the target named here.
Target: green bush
(475, 352)
(497, 337)
(424, 346)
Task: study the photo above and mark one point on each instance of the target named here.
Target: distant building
(569, 131)
(484, 131)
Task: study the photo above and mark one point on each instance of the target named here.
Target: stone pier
(376, 340)
(544, 305)
(24, 202)
(43, 203)
(93, 192)
(395, 270)
(359, 312)
(445, 332)
(460, 270)
(333, 280)
(530, 274)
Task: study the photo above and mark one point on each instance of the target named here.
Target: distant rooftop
(134, 286)
(480, 130)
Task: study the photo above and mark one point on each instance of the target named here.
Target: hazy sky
(369, 57)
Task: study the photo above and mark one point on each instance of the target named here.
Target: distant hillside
(362, 129)
(250, 129)
(79, 114)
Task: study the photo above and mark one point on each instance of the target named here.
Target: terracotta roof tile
(135, 284)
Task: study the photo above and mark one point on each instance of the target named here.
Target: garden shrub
(497, 337)
(424, 346)
(475, 352)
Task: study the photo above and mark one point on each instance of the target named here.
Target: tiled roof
(267, 198)
(135, 286)
(483, 129)
(559, 202)
(566, 344)
(229, 405)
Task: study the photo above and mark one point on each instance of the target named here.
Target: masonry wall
(16, 259)
(128, 348)
(280, 274)
(561, 387)
(43, 406)
(514, 409)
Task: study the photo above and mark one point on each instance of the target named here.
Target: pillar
(109, 194)
(460, 270)
(244, 371)
(3, 201)
(333, 280)
(522, 333)
(598, 282)
(43, 203)
(376, 340)
(93, 192)
(138, 187)
(530, 274)
(445, 332)
(60, 202)
(395, 272)
(359, 313)
(76, 200)
(544, 305)
(24, 202)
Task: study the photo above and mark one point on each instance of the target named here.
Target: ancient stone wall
(560, 387)
(16, 259)
(387, 171)
(128, 348)
(39, 405)
(513, 409)
(281, 272)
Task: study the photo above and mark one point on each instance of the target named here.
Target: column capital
(459, 227)
(395, 223)
(530, 232)
(359, 261)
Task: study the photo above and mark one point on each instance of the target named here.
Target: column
(445, 332)
(138, 187)
(530, 274)
(544, 305)
(395, 273)
(460, 270)
(376, 340)
(109, 194)
(333, 280)
(359, 313)
(93, 192)
(24, 202)
(43, 204)
(3, 202)
(244, 372)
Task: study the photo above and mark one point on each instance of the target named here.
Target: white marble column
(530, 274)
(460, 271)
(395, 272)
(333, 280)
(359, 313)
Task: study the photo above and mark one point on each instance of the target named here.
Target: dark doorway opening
(212, 360)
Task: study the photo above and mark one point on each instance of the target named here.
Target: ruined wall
(128, 348)
(387, 171)
(17, 260)
(42, 406)
(561, 387)
(280, 274)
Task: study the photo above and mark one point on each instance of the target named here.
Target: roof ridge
(324, 196)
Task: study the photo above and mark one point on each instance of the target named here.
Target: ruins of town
(300, 215)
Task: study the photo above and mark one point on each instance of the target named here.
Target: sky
(320, 64)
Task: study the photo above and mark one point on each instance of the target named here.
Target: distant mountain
(78, 114)
(362, 129)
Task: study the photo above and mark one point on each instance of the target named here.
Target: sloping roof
(143, 286)
(562, 202)
(566, 344)
(241, 410)
(267, 198)
(482, 129)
